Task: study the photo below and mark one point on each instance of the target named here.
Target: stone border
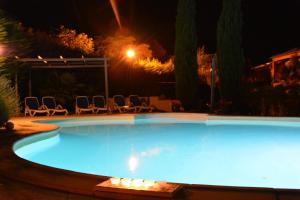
(17, 169)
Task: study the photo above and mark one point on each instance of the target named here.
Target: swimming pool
(247, 152)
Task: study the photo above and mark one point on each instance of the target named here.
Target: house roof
(286, 55)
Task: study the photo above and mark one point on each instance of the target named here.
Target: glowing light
(130, 53)
(2, 50)
(126, 182)
(133, 163)
(115, 181)
(137, 182)
(40, 57)
(149, 183)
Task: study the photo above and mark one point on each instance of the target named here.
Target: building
(283, 69)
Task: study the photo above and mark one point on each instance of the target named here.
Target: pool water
(228, 154)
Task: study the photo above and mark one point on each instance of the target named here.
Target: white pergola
(67, 63)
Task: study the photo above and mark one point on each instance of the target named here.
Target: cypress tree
(229, 51)
(186, 54)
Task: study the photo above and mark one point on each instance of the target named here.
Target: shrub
(3, 113)
(9, 100)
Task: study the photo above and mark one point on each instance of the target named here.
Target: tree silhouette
(186, 54)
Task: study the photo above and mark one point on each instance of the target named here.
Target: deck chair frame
(98, 109)
(121, 109)
(79, 110)
(58, 108)
(141, 107)
(32, 112)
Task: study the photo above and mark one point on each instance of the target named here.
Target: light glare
(133, 163)
(130, 53)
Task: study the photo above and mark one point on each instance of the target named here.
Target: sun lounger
(119, 104)
(139, 106)
(82, 105)
(99, 104)
(32, 107)
(50, 103)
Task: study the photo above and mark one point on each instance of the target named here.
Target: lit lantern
(137, 182)
(126, 182)
(115, 181)
(149, 183)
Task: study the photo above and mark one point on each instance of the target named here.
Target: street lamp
(130, 53)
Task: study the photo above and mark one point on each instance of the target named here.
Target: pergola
(277, 58)
(67, 63)
(283, 56)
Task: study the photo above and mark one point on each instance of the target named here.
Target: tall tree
(230, 52)
(186, 54)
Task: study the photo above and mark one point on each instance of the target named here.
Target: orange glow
(156, 66)
(114, 6)
(130, 53)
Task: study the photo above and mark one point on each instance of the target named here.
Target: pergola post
(29, 83)
(106, 80)
(212, 84)
(16, 84)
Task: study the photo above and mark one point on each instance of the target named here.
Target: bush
(9, 101)
(3, 113)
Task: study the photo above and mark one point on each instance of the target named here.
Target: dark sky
(270, 26)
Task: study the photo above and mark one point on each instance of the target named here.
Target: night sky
(270, 26)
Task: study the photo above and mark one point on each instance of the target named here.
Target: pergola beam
(62, 59)
(65, 66)
(67, 63)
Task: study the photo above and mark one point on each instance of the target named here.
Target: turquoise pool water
(252, 153)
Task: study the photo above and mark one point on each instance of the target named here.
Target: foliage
(69, 38)
(229, 51)
(42, 43)
(156, 66)
(13, 42)
(14, 34)
(64, 88)
(9, 97)
(186, 54)
(204, 61)
(4, 113)
(9, 102)
(66, 42)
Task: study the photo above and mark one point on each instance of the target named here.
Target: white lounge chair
(119, 104)
(32, 107)
(139, 106)
(82, 105)
(50, 103)
(99, 104)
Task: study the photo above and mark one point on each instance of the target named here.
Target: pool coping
(18, 169)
